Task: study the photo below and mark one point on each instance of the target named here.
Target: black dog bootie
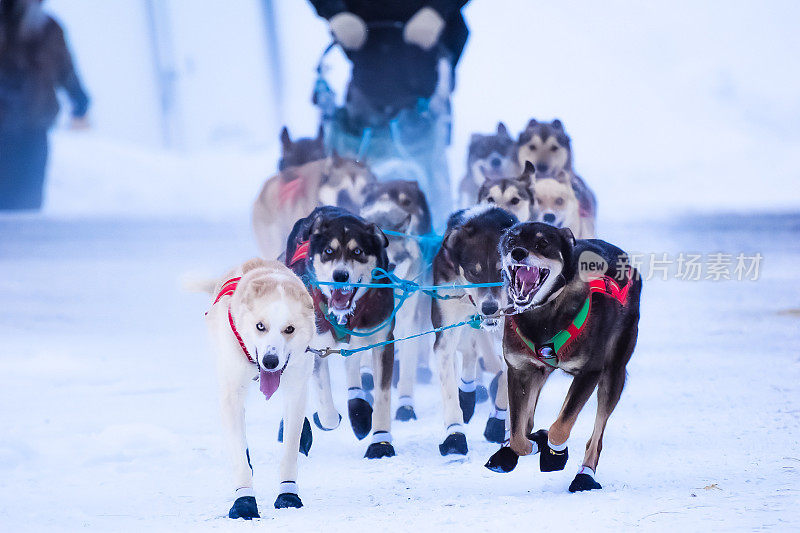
(244, 507)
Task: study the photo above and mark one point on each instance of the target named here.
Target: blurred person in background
(397, 111)
(359, 26)
(34, 62)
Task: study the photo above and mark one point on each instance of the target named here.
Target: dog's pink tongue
(340, 300)
(528, 276)
(268, 382)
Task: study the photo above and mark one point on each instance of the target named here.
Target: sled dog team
(522, 263)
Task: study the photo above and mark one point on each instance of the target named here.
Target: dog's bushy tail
(195, 282)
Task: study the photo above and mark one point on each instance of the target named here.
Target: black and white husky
(334, 245)
(469, 255)
(401, 206)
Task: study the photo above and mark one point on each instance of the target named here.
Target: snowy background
(685, 120)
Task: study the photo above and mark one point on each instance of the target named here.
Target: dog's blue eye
(260, 326)
(329, 251)
(357, 251)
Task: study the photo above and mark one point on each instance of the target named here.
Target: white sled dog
(260, 323)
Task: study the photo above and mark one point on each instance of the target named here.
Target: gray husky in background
(401, 206)
(489, 157)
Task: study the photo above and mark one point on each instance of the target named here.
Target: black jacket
(386, 70)
(30, 74)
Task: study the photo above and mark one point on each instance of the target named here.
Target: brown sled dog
(576, 307)
(548, 147)
(294, 192)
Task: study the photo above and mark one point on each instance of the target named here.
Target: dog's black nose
(489, 307)
(340, 276)
(518, 254)
(496, 162)
(549, 218)
(270, 361)
(541, 167)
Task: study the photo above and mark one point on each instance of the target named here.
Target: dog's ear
(484, 174)
(450, 241)
(502, 131)
(529, 172)
(336, 159)
(475, 138)
(379, 234)
(469, 229)
(370, 187)
(557, 124)
(286, 140)
(252, 264)
(317, 226)
(531, 123)
(526, 178)
(568, 236)
(483, 192)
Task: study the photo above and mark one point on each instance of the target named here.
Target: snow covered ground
(110, 418)
(109, 414)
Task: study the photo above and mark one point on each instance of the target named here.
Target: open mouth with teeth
(524, 282)
(341, 298)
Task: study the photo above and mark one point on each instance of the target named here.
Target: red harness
(300, 254)
(228, 289)
(559, 345)
(291, 190)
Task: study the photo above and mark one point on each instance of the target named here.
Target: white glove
(424, 28)
(348, 30)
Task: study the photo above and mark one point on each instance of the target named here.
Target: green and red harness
(553, 350)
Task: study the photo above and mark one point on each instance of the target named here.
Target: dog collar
(552, 351)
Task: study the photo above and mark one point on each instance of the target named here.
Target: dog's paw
(467, 402)
(551, 460)
(367, 380)
(360, 413)
(379, 450)
(503, 461)
(540, 438)
(318, 423)
(287, 499)
(481, 394)
(306, 438)
(493, 386)
(584, 482)
(424, 375)
(495, 430)
(405, 413)
(455, 443)
(244, 507)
